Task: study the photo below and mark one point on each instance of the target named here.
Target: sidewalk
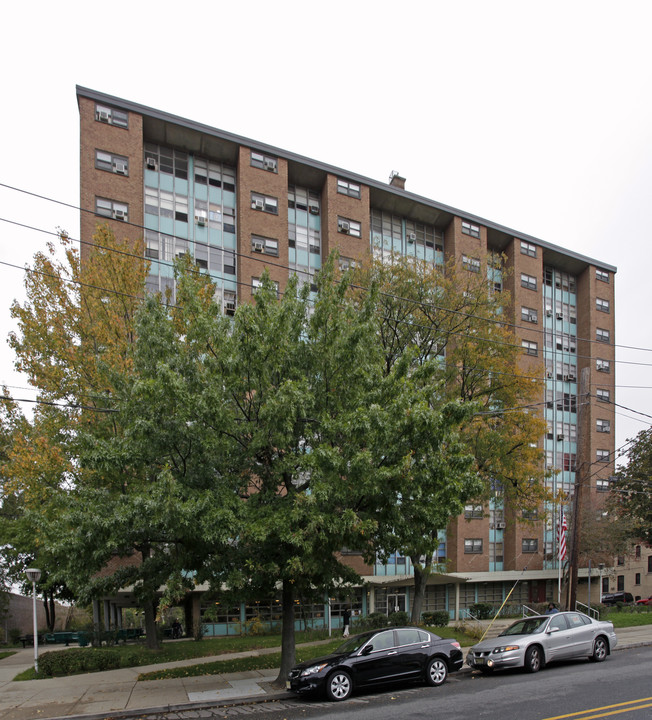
(104, 694)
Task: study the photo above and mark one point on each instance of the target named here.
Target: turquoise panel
(292, 256)
(439, 257)
(201, 234)
(167, 226)
(181, 229)
(292, 216)
(151, 221)
(154, 268)
(201, 192)
(302, 258)
(215, 194)
(229, 283)
(151, 178)
(314, 222)
(315, 261)
(229, 241)
(229, 199)
(180, 186)
(167, 182)
(215, 237)
(302, 218)
(167, 270)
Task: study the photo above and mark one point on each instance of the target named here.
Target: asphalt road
(621, 686)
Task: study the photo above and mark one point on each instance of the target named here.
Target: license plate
(479, 661)
(287, 684)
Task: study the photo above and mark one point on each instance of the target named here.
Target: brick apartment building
(239, 205)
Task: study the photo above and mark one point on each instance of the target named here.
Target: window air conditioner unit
(103, 116)
(119, 214)
(200, 219)
(572, 378)
(258, 204)
(270, 164)
(344, 226)
(500, 526)
(412, 237)
(560, 437)
(549, 375)
(560, 316)
(151, 163)
(567, 378)
(258, 246)
(120, 167)
(548, 313)
(314, 209)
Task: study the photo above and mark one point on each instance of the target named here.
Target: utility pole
(581, 464)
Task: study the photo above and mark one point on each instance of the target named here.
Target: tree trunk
(421, 575)
(151, 638)
(48, 605)
(287, 638)
(53, 613)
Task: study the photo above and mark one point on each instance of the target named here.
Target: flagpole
(558, 533)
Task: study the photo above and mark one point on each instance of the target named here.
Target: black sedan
(379, 656)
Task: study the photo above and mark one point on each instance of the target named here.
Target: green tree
(446, 322)
(632, 496)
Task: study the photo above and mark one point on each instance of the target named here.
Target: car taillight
(455, 644)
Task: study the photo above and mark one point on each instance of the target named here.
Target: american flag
(561, 535)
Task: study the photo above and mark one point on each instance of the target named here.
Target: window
(268, 246)
(637, 579)
(346, 187)
(528, 249)
(264, 203)
(602, 335)
(229, 302)
(602, 456)
(111, 163)
(111, 116)
(602, 275)
(530, 514)
(529, 545)
(602, 365)
(602, 485)
(529, 315)
(530, 348)
(473, 546)
(602, 305)
(349, 227)
(473, 511)
(620, 582)
(471, 264)
(603, 395)
(111, 209)
(603, 426)
(637, 552)
(264, 162)
(649, 563)
(258, 283)
(529, 282)
(347, 263)
(470, 229)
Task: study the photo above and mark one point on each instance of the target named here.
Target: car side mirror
(553, 630)
(367, 649)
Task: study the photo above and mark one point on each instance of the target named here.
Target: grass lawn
(6, 653)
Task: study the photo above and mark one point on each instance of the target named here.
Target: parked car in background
(532, 642)
(616, 597)
(645, 601)
(378, 657)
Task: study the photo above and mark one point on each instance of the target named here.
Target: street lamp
(34, 575)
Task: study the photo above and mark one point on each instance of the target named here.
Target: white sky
(536, 115)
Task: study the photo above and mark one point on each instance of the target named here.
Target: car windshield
(527, 626)
(353, 643)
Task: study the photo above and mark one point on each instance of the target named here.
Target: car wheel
(339, 686)
(533, 659)
(436, 672)
(600, 650)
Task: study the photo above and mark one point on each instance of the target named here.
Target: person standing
(346, 617)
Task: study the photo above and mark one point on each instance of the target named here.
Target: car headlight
(505, 648)
(314, 669)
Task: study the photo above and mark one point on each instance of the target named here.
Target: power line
(270, 263)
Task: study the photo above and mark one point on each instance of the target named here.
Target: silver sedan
(534, 641)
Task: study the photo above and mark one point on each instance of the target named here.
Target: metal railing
(591, 612)
(529, 611)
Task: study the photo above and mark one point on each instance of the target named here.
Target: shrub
(440, 618)
(481, 611)
(399, 618)
(14, 636)
(82, 660)
(373, 621)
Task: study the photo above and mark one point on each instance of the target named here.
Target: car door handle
(394, 652)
